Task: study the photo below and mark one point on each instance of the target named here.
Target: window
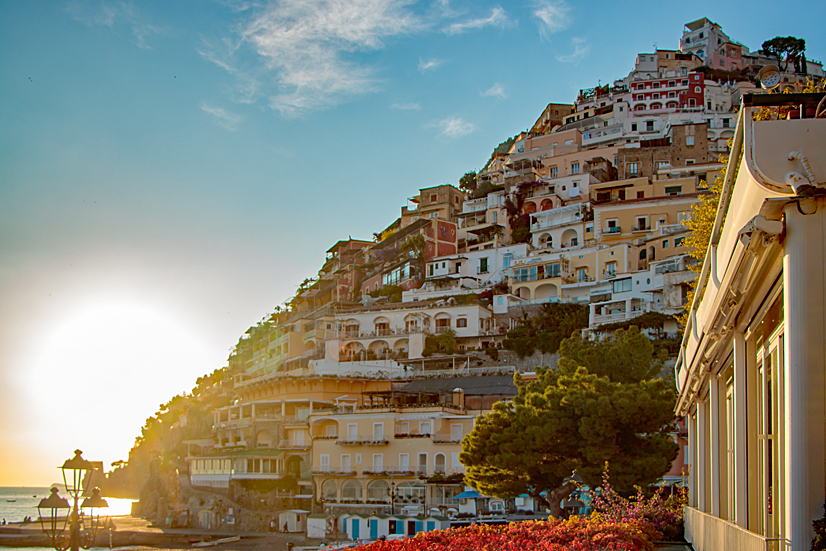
(553, 172)
(649, 126)
(461, 322)
(665, 243)
(663, 164)
(689, 140)
(726, 123)
(640, 195)
(552, 270)
(575, 168)
(679, 241)
(673, 190)
(633, 127)
(483, 265)
(424, 427)
(433, 198)
(622, 285)
(581, 274)
(610, 269)
(633, 168)
(697, 90)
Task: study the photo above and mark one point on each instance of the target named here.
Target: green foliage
(519, 223)
(468, 182)
(545, 331)
(628, 357)
(787, 49)
(572, 418)
(394, 292)
(484, 188)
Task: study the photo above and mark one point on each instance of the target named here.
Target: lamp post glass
(75, 473)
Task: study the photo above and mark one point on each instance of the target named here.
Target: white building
(752, 367)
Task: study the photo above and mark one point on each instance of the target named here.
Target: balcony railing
(389, 470)
(612, 229)
(447, 439)
(400, 331)
(287, 445)
(333, 471)
(641, 227)
(366, 440)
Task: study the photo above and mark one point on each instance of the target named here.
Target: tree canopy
(600, 404)
(468, 181)
(545, 331)
(787, 49)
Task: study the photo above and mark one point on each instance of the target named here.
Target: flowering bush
(664, 513)
(576, 534)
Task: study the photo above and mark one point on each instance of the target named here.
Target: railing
(442, 329)
(446, 439)
(287, 445)
(368, 440)
(388, 470)
(335, 471)
(612, 229)
(295, 420)
(400, 331)
(642, 227)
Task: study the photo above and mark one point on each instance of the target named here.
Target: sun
(104, 370)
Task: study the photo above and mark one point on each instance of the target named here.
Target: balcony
(389, 470)
(442, 329)
(363, 440)
(641, 227)
(296, 420)
(333, 471)
(447, 439)
(612, 230)
(288, 445)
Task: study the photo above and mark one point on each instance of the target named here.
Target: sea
(17, 503)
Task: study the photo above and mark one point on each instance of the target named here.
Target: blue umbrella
(468, 495)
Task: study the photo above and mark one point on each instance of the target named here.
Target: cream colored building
(752, 367)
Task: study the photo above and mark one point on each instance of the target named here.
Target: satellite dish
(769, 77)
(367, 300)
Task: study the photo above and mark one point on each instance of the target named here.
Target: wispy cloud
(454, 127)
(406, 106)
(580, 50)
(228, 120)
(552, 16)
(115, 14)
(495, 91)
(430, 64)
(497, 18)
(301, 48)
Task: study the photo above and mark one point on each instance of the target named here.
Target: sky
(171, 171)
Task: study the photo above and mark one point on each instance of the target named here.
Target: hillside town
(344, 410)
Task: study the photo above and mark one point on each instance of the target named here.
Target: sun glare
(104, 370)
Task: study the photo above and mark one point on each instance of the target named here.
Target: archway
(329, 490)
(377, 490)
(351, 490)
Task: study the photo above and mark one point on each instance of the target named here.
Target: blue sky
(170, 171)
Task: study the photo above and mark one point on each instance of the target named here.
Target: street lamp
(392, 493)
(74, 473)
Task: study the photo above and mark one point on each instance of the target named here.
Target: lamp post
(391, 492)
(54, 523)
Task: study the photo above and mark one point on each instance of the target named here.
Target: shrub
(576, 534)
(664, 513)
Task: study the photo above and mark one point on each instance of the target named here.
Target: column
(700, 458)
(713, 469)
(628, 314)
(691, 427)
(741, 466)
(805, 351)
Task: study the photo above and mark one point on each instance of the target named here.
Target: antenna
(655, 47)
